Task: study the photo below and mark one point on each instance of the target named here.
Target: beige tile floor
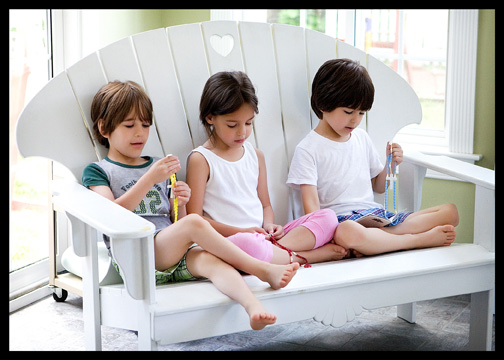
(442, 324)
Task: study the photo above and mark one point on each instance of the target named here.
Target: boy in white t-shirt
(336, 166)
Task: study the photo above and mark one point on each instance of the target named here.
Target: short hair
(341, 83)
(113, 102)
(224, 93)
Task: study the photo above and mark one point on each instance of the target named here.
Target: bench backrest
(173, 65)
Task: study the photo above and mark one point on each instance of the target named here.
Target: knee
(349, 234)
(329, 219)
(452, 215)
(253, 244)
(195, 222)
(329, 215)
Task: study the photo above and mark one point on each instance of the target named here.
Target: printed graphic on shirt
(150, 204)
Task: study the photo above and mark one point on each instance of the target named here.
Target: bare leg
(299, 238)
(302, 241)
(172, 243)
(327, 252)
(371, 241)
(201, 263)
(424, 220)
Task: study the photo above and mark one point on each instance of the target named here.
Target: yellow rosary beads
(173, 179)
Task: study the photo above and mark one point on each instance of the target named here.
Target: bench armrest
(461, 170)
(484, 197)
(98, 212)
(89, 213)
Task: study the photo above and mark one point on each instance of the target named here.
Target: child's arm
(182, 192)
(310, 198)
(262, 192)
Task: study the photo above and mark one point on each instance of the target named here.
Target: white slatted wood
(155, 59)
(192, 71)
(215, 35)
(395, 105)
(290, 50)
(319, 49)
(119, 63)
(51, 126)
(219, 37)
(87, 77)
(257, 39)
(347, 51)
(293, 81)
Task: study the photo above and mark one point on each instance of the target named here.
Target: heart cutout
(222, 45)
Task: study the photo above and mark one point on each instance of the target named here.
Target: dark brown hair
(341, 83)
(113, 102)
(224, 93)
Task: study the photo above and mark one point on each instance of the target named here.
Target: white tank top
(231, 191)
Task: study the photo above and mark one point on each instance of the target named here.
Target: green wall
(102, 27)
(484, 129)
(437, 192)
(181, 16)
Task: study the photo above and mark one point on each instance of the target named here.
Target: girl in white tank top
(227, 176)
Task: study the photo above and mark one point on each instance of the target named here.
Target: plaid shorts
(357, 214)
(176, 273)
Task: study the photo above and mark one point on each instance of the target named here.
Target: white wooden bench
(173, 64)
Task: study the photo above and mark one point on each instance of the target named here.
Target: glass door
(30, 215)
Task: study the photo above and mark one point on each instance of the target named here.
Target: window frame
(456, 140)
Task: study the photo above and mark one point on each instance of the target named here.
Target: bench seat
(193, 310)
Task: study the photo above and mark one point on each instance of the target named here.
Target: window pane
(284, 16)
(417, 51)
(30, 212)
(316, 19)
(414, 43)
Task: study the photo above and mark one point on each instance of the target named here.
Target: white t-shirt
(342, 171)
(231, 191)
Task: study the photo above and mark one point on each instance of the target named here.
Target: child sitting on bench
(337, 167)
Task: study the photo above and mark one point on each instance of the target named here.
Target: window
(437, 60)
(31, 215)
(419, 57)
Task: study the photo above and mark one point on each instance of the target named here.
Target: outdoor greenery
(315, 18)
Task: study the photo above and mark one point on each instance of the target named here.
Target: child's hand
(182, 192)
(254, 229)
(163, 169)
(274, 231)
(397, 152)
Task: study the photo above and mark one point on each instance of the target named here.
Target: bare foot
(442, 235)
(279, 276)
(259, 320)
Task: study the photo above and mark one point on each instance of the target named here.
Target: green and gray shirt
(155, 206)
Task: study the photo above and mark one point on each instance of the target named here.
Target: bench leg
(407, 312)
(145, 343)
(91, 294)
(480, 331)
